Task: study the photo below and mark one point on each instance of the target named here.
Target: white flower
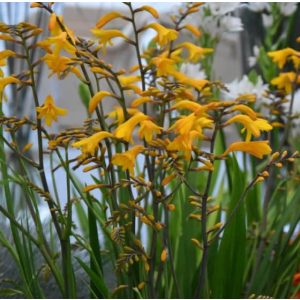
(231, 24)
(193, 70)
(222, 8)
(259, 6)
(220, 20)
(267, 20)
(245, 86)
(287, 8)
(252, 60)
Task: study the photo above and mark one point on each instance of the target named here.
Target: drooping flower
(60, 65)
(60, 42)
(165, 66)
(125, 130)
(106, 35)
(128, 82)
(4, 55)
(246, 110)
(253, 127)
(55, 28)
(197, 84)
(90, 145)
(148, 129)
(256, 148)
(195, 52)
(194, 30)
(49, 111)
(118, 113)
(4, 82)
(141, 100)
(96, 99)
(285, 81)
(126, 160)
(184, 143)
(151, 10)
(280, 57)
(107, 18)
(164, 35)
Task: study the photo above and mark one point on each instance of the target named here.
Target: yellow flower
(118, 113)
(150, 10)
(148, 129)
(185, 124)
(280, 57)
(106, 35)
(90, 145)
(125, 130)
(195, 52)
(60, 65)
(141, 100)
(49, 111)
(96, 99)
(127, 82)
(253, 127)
(4, 55)
(4, 82)
(245, 109)
(55, 29)
(194, 30)
(190, 105)
(126, 160)
(165, 66)
(184, 143)
(107, 18)
(60, 42)
(164, 35)
(198, 84)
(285, 81)
(257, 148)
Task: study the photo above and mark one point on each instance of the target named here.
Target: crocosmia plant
(175, 186)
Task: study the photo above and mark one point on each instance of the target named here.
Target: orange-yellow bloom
(127, 82)
(4, 55)
(90, 145)
(148, 129)
(195, 52)
(198, 84)
(60, 65)
(107, 18)
(55, 29)
(194, 30)
(60, 43)
(190, 105)
(256, 148)
(141, 100)
(96, 99)
(118, 113)
(245, 109)
(184, 143)
(126, 160)
(164, 35)
(165, 66)
(285, 81)
(125, 130)
(49, 111)
(150, 10)
(106, 35)
(4, 82)
(280, 57)
(253, 127)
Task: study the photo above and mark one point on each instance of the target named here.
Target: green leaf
(231, 257)
(84, 94)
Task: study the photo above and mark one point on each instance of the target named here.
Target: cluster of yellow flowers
(172, 93)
